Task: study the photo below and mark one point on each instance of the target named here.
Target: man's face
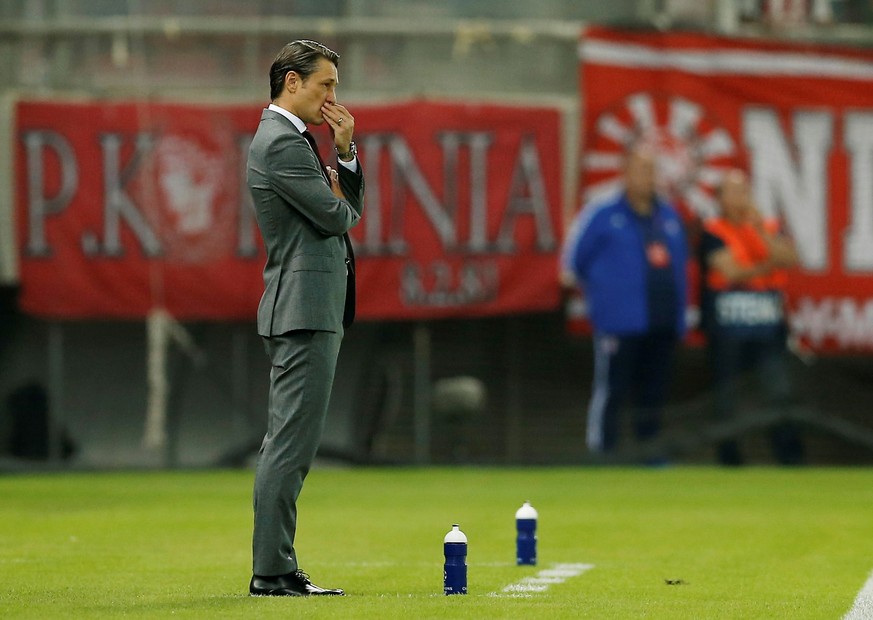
(310, 94)
(639, 173)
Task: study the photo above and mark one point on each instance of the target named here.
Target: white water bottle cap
(526, 512)
(456, 535)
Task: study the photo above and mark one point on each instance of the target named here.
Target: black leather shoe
(292, 584)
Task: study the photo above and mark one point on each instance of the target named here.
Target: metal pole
(421, 392)
(55, 390)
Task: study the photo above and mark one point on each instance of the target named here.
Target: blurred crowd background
(503, 389)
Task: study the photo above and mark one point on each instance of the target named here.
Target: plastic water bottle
(455, 568)
(526, 535)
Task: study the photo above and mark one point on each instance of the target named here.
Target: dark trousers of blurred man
(637, 366)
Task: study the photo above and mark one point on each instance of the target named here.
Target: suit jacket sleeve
(352, 185)
(299, 181)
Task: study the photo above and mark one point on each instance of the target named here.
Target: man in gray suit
(304, 210)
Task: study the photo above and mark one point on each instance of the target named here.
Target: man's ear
(292, 80)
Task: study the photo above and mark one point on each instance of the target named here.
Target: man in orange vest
(743, 264)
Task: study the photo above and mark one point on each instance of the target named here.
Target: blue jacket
(605, 250)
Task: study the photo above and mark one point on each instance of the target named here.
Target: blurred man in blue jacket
(628, 252)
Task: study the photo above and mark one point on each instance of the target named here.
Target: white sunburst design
(693, 150)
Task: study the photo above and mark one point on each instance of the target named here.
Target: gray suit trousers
(301, 379)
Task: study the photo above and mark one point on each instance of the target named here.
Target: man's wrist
(349, 154)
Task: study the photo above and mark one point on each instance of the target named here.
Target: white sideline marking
(559, 573)
(862, 609)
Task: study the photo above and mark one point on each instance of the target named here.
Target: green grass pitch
(748, 543)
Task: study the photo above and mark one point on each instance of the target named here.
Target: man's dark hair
(299, 56)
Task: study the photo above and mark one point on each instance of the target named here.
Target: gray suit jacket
(302, 224)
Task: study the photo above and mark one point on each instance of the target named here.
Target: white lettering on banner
(117, 205)
(408, 174)
(858, 138)
(40, 206)
(748, 308)
(478, 144)
(439, 285)
(527, 196)
(848, 322)
(796, 186)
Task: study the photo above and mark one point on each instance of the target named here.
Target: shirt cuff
(351, 165)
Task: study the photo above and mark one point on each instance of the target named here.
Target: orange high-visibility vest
(748, 249)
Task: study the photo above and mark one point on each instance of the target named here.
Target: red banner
(123, 207)
(798, 118)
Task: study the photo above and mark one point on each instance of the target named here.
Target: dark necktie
(311, 139)
(349, 308)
